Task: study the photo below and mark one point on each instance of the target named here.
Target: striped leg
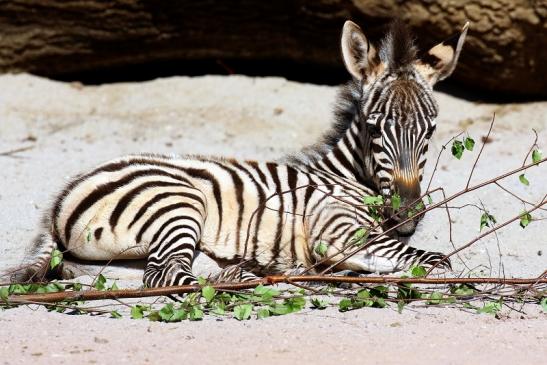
(170, 258)
(388, 255)
(233, 273)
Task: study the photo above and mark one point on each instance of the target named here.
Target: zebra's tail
(36, 264)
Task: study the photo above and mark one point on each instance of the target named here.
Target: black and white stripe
(270, 216)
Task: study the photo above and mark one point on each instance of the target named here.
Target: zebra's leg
(386, 254)
(170, 257)
(234, 273)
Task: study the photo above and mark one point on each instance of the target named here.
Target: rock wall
(506, 49)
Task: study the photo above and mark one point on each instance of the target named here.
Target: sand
(65, 128)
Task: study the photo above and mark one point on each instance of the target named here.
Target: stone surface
(506, 48)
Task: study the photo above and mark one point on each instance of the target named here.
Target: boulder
(506, 46)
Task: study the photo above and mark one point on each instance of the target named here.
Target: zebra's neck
(345, 150)
(350, 157)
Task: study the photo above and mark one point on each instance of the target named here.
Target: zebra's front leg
(384, 255)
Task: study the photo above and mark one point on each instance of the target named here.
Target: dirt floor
(50, 131)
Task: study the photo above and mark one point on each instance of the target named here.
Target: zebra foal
(270, 215)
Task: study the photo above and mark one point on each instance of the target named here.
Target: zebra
(270, 217)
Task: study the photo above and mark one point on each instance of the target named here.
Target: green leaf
(490, 308)
(280, 309)
(137, 312)
(435, 298)
(536, 156)
(195, 314)
(321, 249)
(4, 293)
(457, 149)
(18, 289)
(419, 206)
(166, 312)
(525, 219)
(296, 303)
(379, 291)
(469, 143)
(463, 290)
(344, 305)
(100, 282)
(114, 286)
(265, 293)
(202, 281)
(219, 308)
(396, 201)
(487, 220)
(373, 200)
(263, 313)
(56, 259)
(418, 271)
(543, 304)
(115, 314)
(379, 303)
(318, 303)
(366, 298)
(429, 199)
(243, 311)
(400, 306)
(360, 236)
(154, 316)
(208, 293)
(524, 180)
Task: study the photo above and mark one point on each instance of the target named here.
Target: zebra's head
(397, 109)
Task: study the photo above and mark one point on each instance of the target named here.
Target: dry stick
(269, 280)
(537, 206)
(480, 152)
(10, 153)
(524, 201)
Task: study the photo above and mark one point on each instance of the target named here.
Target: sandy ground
(65, 128)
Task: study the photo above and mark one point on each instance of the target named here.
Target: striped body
(269, 213)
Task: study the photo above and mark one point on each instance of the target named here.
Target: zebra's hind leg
(171, 254)
(385, 254)
(233, 273)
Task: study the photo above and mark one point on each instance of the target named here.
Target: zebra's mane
(346, 109)
(397, 49)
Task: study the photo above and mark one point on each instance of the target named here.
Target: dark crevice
(291, 70)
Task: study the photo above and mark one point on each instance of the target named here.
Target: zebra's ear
(440, 61)
(355, 50)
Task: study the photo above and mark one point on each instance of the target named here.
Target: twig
(10, 153)
(480, 152)
(537, 206)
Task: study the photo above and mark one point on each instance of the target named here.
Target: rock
(506, 42)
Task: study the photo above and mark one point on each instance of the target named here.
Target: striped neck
(350, 157)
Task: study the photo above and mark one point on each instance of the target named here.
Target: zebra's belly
(274, 245)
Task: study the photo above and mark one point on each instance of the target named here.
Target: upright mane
(397, 49)
(346, 109)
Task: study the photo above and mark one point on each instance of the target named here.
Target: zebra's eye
(430, 132)
(374, 131)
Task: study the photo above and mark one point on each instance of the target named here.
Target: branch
(88, 295)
